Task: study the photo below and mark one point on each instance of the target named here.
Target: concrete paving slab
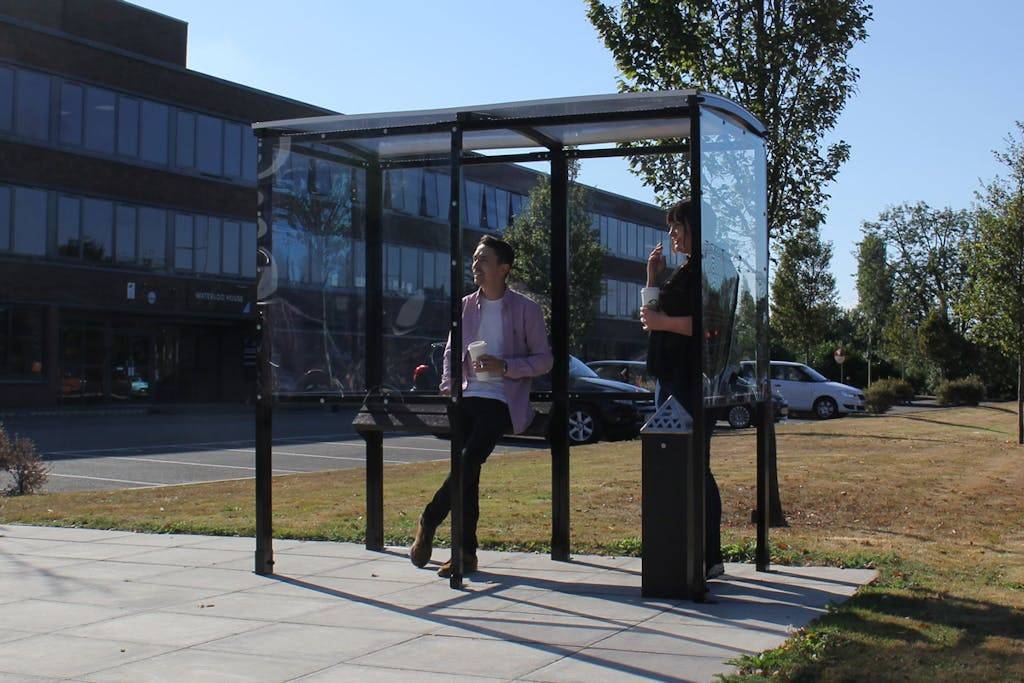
(198, 666)
(378, 674)
(19, 678)
(60, 533)
(61, 656)
(353, 614)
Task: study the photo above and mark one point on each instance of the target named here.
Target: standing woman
(671, 347)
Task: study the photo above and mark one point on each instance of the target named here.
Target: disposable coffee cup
(477, 349)
(649, 297)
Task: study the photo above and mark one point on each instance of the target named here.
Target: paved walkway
(89, 605)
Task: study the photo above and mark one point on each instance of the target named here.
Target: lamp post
(840, 358)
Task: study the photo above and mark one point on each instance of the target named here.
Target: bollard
(672, 535)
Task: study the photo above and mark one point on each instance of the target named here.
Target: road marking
(119, 481)
(197, 464)
(313, 455)
(386, 446)
(196, 443)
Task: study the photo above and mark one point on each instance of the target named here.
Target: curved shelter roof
(566, 121)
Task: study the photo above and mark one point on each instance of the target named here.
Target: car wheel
(739, 417)
(583, 426)
(825, 408)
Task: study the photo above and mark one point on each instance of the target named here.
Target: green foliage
(943, 345)
(530, 236)
(966, 391)
(880, 397)
(902, 390)
(785, 62)
(804, 293)
(20, 459)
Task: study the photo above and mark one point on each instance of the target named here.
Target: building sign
(131, 291)
(207, 298)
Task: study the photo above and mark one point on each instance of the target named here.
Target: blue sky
(940, 86)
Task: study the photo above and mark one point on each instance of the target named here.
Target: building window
(392, 268)
(153, 238)
(207, 245)
(360, 263)
(97, 230)
(474, 203)
(127, 126)
(69, 227)
(443, 271)
(232, 239)
(502, 205)
(126, 232)
(153, 141)
(29, 222)
(183, 229)
(70, 114)
(185, 149)
(410, 269)
(5, 218)
(232, 150)
(6, 98)
(430, 207)
(209, 145)
(248, 250)
(248, 155)
(22, 343)
(99, 120)
(32, 105)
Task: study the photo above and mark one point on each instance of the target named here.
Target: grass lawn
(932, 499)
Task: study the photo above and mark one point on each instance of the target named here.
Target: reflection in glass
(127, 126)
(6, 98)
(97, 230)
(69, 241)
(29, 221)
(32, 105)
(99, 119)
(70, 114)
(153, 237)
(153, 144)
(125, 247)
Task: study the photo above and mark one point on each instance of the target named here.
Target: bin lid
(670, 418)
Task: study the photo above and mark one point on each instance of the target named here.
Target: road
(96, 452)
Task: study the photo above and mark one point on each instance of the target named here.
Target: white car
(807, 390)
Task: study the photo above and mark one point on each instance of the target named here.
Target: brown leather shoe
(469, 566)
(423, 545)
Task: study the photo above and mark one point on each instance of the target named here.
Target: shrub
(903, 391)
(880, 397)
(967, 391)
(19, 457)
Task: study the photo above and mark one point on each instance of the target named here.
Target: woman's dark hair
(504, 250)
(679, 213)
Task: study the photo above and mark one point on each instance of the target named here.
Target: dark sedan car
(592, 417)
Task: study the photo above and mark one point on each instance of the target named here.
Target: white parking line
(313, 455)
(119, 481)
(196, 464)
(194, 443)
(399, 448)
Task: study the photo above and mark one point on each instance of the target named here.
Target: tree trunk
(1020, 396)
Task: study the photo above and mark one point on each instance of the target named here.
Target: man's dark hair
(504, 250)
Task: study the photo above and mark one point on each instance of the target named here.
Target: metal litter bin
(672, 507)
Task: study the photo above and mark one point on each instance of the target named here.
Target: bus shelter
(337, 320)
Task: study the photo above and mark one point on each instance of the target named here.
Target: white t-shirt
(491, 331)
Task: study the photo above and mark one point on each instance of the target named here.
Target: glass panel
(30, 221)
(32, 105)
(209, 145)
(125, 248)
(491, 208)
(69, 227)
(183, 236)
(127, 126)
(502, 205)
(185, 149)
(232, 150)
(5, 218)
(232, 237)
(316, 316)
(153, 238)
(208, 246)
(99, 119)
(6, 98)
(22, 343)
(734, 260)
(430, 194)
(410, 270)
(70, 114)
(154, 132)
(392, 267)
(248, 250)
(97, 230)
(474, 203)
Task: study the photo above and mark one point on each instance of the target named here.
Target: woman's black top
(669, 354)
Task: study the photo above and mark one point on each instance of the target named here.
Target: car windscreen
(815, 375)
(578, 369)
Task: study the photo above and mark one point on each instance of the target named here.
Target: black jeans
(712, 496)
(484, 420)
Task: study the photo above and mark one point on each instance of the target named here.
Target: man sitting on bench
(495, 388)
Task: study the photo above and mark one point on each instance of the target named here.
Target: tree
(874, 290)
(787, 62)
(994, 297)
(530, 236)
(804, 292)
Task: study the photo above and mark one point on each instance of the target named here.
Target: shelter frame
(350, 136)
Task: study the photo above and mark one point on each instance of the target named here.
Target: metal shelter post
(264, 560)
(698, 462)
(374, 348)
(455, 366)
(559, 419)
